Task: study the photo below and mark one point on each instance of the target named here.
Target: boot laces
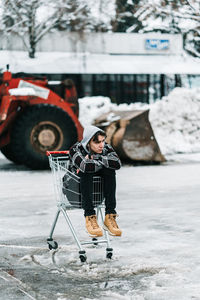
(93, 222)
(113, 221)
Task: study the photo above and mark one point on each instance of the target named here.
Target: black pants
(86, 185)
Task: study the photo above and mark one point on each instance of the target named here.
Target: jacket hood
(88, 133)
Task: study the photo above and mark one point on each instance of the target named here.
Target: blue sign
(156, 44)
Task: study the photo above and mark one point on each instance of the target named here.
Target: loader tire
(40, 128)
(7, 152)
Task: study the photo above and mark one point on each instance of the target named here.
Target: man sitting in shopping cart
(94, 157)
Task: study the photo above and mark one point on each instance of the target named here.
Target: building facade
(125, 67)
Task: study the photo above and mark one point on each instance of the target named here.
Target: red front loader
(34, 119)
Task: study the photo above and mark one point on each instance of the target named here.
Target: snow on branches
(32, 19)
(172, 16)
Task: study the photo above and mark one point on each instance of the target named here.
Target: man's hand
(87, 156)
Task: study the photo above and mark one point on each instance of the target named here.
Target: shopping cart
(68, 196)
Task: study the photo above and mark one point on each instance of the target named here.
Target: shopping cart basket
(68, 196)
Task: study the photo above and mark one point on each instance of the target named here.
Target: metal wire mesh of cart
(67, 184)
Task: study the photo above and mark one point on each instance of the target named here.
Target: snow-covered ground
(175, 118)
(157, 257)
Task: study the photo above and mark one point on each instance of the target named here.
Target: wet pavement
(156, 258)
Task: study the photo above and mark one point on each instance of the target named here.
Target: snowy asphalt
(157, 257)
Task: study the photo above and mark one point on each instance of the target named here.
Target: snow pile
(93, 107)
(176, 121)
(175, 118)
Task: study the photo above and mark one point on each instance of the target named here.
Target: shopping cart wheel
(82, 256)
(94, 240)
(52, 244)
(109, 253)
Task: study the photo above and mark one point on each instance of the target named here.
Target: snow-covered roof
(87, 63)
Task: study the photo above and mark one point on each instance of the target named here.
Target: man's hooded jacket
(108, 158)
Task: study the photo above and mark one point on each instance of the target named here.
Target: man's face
(97, 147)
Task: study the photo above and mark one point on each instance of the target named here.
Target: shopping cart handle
(57, 153)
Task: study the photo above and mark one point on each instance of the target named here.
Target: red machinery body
(34, 92)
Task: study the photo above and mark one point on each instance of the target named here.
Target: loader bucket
(131, 135)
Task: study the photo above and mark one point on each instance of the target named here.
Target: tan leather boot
(92, 226)
(111, 226)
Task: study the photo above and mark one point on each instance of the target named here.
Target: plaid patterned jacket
(108, 159)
